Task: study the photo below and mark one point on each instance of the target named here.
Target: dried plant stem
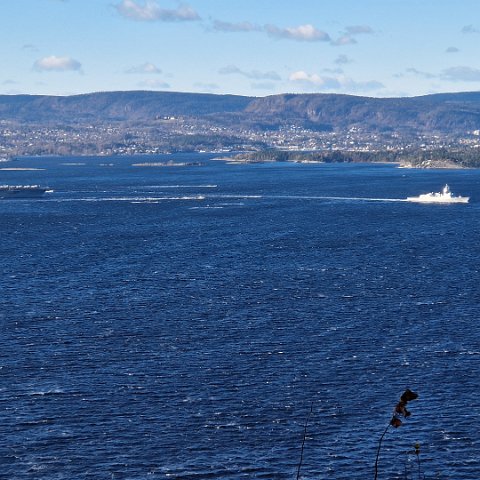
(303, 442)
(378, 451)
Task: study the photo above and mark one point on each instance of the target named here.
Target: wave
(132, 199)
(43, 393)
(208, 207)
(20, 169)
(182, 186)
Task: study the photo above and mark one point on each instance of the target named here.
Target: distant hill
(132, 106)
(448, 113)
(445, 113)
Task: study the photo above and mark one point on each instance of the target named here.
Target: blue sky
(379, 48)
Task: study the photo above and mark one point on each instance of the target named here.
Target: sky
(375, 48)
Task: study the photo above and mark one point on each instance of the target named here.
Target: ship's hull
(21, 192)
(439, 199)
(445, 196)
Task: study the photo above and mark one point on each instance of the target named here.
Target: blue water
(180, 322)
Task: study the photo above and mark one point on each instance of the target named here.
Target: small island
(170, 163)
(414, 158)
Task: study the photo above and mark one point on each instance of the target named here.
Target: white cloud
(306, 33)
(310, 33)
(253, 74)
(315, 79)
(57, 64)
(335, 83)
(302, 33)
(149, 10)
(145, 68)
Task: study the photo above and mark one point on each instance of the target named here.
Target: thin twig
(303, 442)
(419, 468)
(378, 451)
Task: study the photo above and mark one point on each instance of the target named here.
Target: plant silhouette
(400, 413)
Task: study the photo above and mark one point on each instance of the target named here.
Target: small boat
(21, 191)
(445, 196)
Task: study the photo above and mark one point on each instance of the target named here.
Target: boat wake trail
(305, 197)
(220, 197)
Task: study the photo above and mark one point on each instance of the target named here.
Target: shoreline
(270, 156)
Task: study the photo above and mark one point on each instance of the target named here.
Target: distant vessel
(445, 196)
(21, 191)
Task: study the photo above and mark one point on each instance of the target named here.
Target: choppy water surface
(179, 322)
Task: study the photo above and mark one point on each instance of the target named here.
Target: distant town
(183, 135)
(138, 123)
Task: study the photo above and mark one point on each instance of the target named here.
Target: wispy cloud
(305, 33)
(150, 10)
(470, 29)
(30, 47)
(420, 73)
(335, 71)
(452, 74)
(57, 64)
(351, 31)
(220, 26)
(334, 83)
(206, 87)
(359, 30)
(252, 74)
(300, 33)
(343, 60)
(461, 74)
(321, 81)
(263, 86)
(145, 68)
(343, 40)
(154, 84)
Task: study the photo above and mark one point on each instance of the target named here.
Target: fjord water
(179, 322)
